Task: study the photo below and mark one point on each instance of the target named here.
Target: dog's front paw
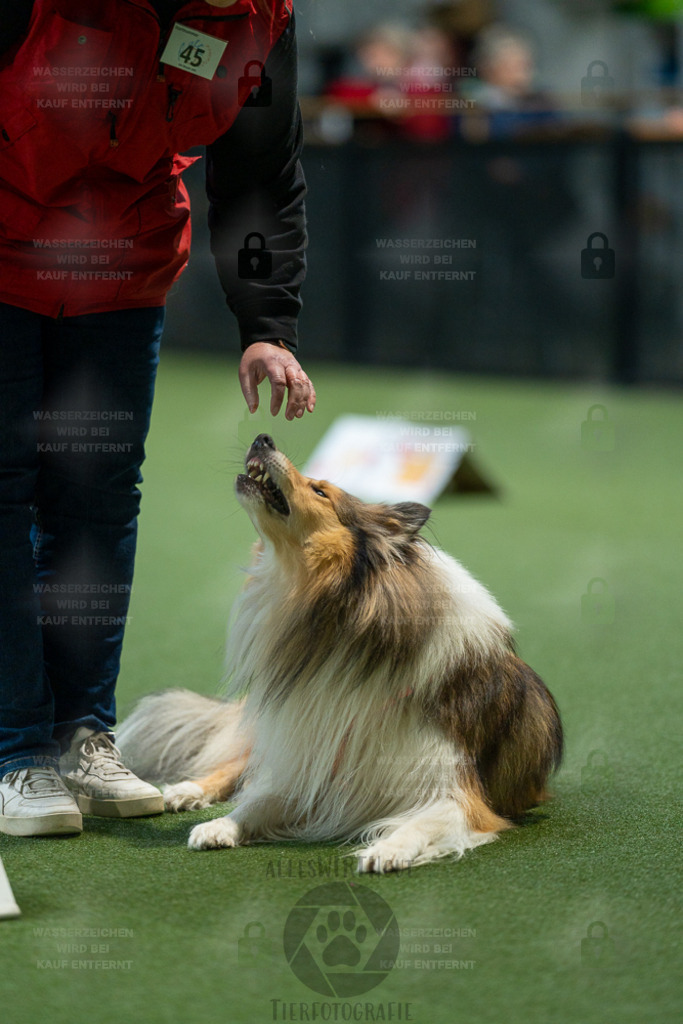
(384, 855)
(212, 835)
(184, 796)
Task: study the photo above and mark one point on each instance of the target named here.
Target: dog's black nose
(264, 441)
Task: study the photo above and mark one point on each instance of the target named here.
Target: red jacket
(93, 213)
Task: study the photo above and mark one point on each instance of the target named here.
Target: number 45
(192, 55)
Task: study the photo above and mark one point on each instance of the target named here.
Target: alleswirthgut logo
(339, 939)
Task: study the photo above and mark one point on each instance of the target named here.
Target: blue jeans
(75, 404)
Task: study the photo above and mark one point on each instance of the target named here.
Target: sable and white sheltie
(384, 699)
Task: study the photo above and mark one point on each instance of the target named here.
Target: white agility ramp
(8, 904)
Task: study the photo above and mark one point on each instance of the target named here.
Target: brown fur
(222, 782)
(505, 718)
(480, 817)
(336, 549)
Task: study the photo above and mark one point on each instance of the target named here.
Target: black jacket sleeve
(14, 18)
(255, 183)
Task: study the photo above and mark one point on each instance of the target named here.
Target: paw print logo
(342, 950)
(341, 940)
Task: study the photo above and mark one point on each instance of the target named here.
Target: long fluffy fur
(178, 734)
(384, 699)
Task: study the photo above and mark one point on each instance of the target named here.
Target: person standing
(97, 101)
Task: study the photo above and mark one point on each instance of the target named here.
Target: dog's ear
(410, 515)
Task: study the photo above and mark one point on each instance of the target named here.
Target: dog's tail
(177, 734)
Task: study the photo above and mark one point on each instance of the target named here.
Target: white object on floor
(8, 904)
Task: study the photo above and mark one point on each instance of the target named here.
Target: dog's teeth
(257, 471)
(266, 476)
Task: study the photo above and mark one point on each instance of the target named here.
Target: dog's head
(316, 519)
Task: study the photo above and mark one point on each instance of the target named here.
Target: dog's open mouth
(257, 479)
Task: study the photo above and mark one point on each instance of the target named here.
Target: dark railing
(469, 257)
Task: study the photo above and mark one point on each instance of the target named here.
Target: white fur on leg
(212, 835)
(427, 835)
(184, 796)
(393, 854)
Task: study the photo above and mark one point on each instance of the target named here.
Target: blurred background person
(504, 88)
(432, 83)
(372, 86)
(400, 82)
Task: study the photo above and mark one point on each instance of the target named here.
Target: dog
(375, 692)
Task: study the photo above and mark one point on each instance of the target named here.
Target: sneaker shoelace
(101, 752)
(39, 781)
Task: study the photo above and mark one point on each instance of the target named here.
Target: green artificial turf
(604, 850)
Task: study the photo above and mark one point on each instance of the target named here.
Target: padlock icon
(596, 771)
(596, 89)
(597, 263)
(597, 606)
(253, 947)
(597, 948)
(254, 88)
(254, 263)
(597, 433)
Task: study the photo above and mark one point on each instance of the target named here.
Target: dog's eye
(318, 491)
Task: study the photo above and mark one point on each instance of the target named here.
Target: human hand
(261, 360)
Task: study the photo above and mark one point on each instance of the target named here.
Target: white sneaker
(35, 802)
(101, 784)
